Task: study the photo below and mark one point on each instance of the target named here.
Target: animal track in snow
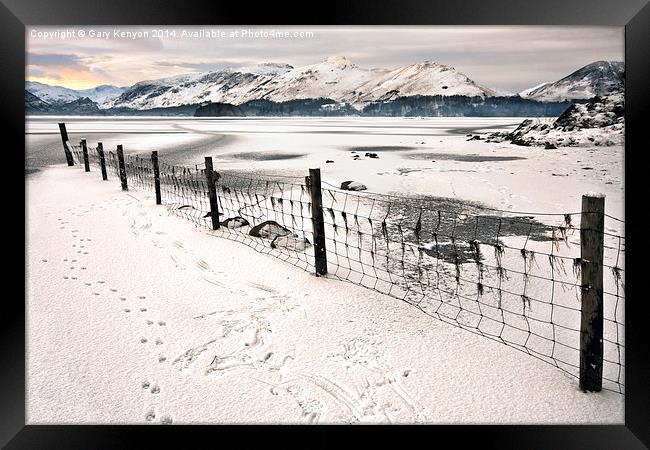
(150, 415)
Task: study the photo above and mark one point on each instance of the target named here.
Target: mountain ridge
(596, 79)
(427, 87)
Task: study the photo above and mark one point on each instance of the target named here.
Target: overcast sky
(505, 58)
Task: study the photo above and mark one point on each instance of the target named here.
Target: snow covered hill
(51, 94)
(427, 78)
(34, 103)
(59, 95)
(599, 122)
(335, 78)
(338, 79)
(596, 79)
(234, 86)
(101, 94)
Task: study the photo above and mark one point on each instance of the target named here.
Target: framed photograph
(412, 214)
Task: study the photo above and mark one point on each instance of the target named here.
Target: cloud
(52, 59)
(508, 58)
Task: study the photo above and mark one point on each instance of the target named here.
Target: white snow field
(500, 175)
(134, 315)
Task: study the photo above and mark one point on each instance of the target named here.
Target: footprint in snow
(150, 415)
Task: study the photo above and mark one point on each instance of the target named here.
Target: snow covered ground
(136, 316)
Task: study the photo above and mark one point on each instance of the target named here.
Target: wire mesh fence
(511, 277)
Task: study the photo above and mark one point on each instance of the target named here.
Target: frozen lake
(427, 156)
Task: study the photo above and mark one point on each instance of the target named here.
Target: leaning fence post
(212, 191)
(84, 149)
(156, 176)
(318, 224)
(64, 139)
(120, 157)
(592, 225)
(102, 160)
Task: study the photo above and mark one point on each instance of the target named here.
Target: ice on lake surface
(425, 156)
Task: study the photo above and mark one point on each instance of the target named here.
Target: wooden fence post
(156, 176)
(318, 224)
(120, 157)
(592, 225)
(102, 160)
(84, 149)
(212, 190)
(64, 139)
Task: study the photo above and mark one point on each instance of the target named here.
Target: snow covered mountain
(427, 78)
(33, 104)
(59, 95)
(220, 86)
(51, 94)
(427, 88)
(101, 94)
(335, 78)
(596, 79)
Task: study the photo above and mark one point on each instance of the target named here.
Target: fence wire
(511, 277)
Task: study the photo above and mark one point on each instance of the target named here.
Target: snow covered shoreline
(135, 316)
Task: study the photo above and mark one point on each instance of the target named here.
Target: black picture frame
(16, 14)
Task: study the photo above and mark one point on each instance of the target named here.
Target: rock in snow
(235, 222)
(599, 122)
(353, 186)
(269, 230)
(291, 242)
